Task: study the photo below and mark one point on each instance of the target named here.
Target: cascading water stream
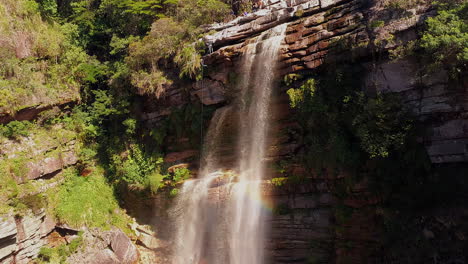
(219, 218)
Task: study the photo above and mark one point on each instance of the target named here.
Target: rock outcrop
(334, 31)
(34, 164)
(38, 156)
(438, 103)
(21, 238)
(105, 248)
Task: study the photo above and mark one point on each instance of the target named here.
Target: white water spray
(220, 218)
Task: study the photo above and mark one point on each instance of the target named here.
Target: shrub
(16, 129)
(359, 127)
(130, 125)
(297, 96)
(174, 37)
(279, 181)
(137, 167)
(46, 254)
(150, 83)
(445, 40)
(181, 174)
(402, 5)
(86, 201)
(377, 24)
(190, 62)
(174, 192)
(155, 182)
(60, 253)
(383, 124)
(38, 56)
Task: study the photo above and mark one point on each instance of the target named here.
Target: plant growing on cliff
(39, 57)
(358, 126)
(87, 201)
(181, 174)
(279, 181)
(304, 92)
(446, 38)
(16, 129)
(382, 125)
(60, 253)
(172, 37)
(174, 192)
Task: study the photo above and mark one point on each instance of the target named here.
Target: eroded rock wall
(304, 226)
(21, 238)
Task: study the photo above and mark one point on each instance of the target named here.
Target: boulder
(105, 256)
(150, 241)
(123, 248)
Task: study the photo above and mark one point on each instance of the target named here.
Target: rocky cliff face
(21, 238)
(332, 31)
(304, 226)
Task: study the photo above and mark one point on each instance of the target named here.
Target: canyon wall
(304, 224)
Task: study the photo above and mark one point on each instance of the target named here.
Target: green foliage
(88, 120)
(131, 125)
(39, 57)
(8, 187)
(383, 125)
(11, 169)
(155, 181)
(280, 181)
(175, 36)
(48, 8)
(446, 38)
(137, 167)
(149, 7)
(120, 45)
(200, 12)
(399, 5)
(377, 24)
(358, 127)
(60, 253)
(174, 192)
(289, 79)
(35, 203)
(403, 50)
(189, 62)
(297, 96)
(87, 201)
(181, 174)
(150, 83)
(16, 129)
(46, 254)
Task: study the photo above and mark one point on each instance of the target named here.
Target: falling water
(219, 217)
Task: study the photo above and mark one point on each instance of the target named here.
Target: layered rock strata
(304, 227)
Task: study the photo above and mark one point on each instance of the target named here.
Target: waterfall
(219, 217)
